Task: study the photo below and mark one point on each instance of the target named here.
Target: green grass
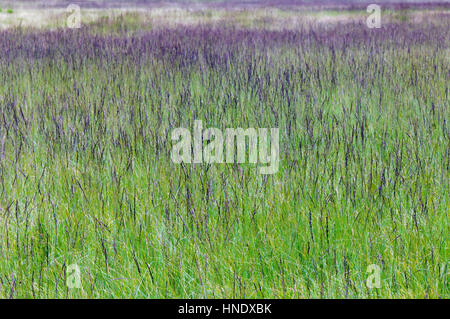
(86, 176)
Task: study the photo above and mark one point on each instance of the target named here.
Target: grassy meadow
(86, 176)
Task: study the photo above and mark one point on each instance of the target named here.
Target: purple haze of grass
(217, 45)
(234, 4)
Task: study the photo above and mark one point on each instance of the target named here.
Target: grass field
(86, 176)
